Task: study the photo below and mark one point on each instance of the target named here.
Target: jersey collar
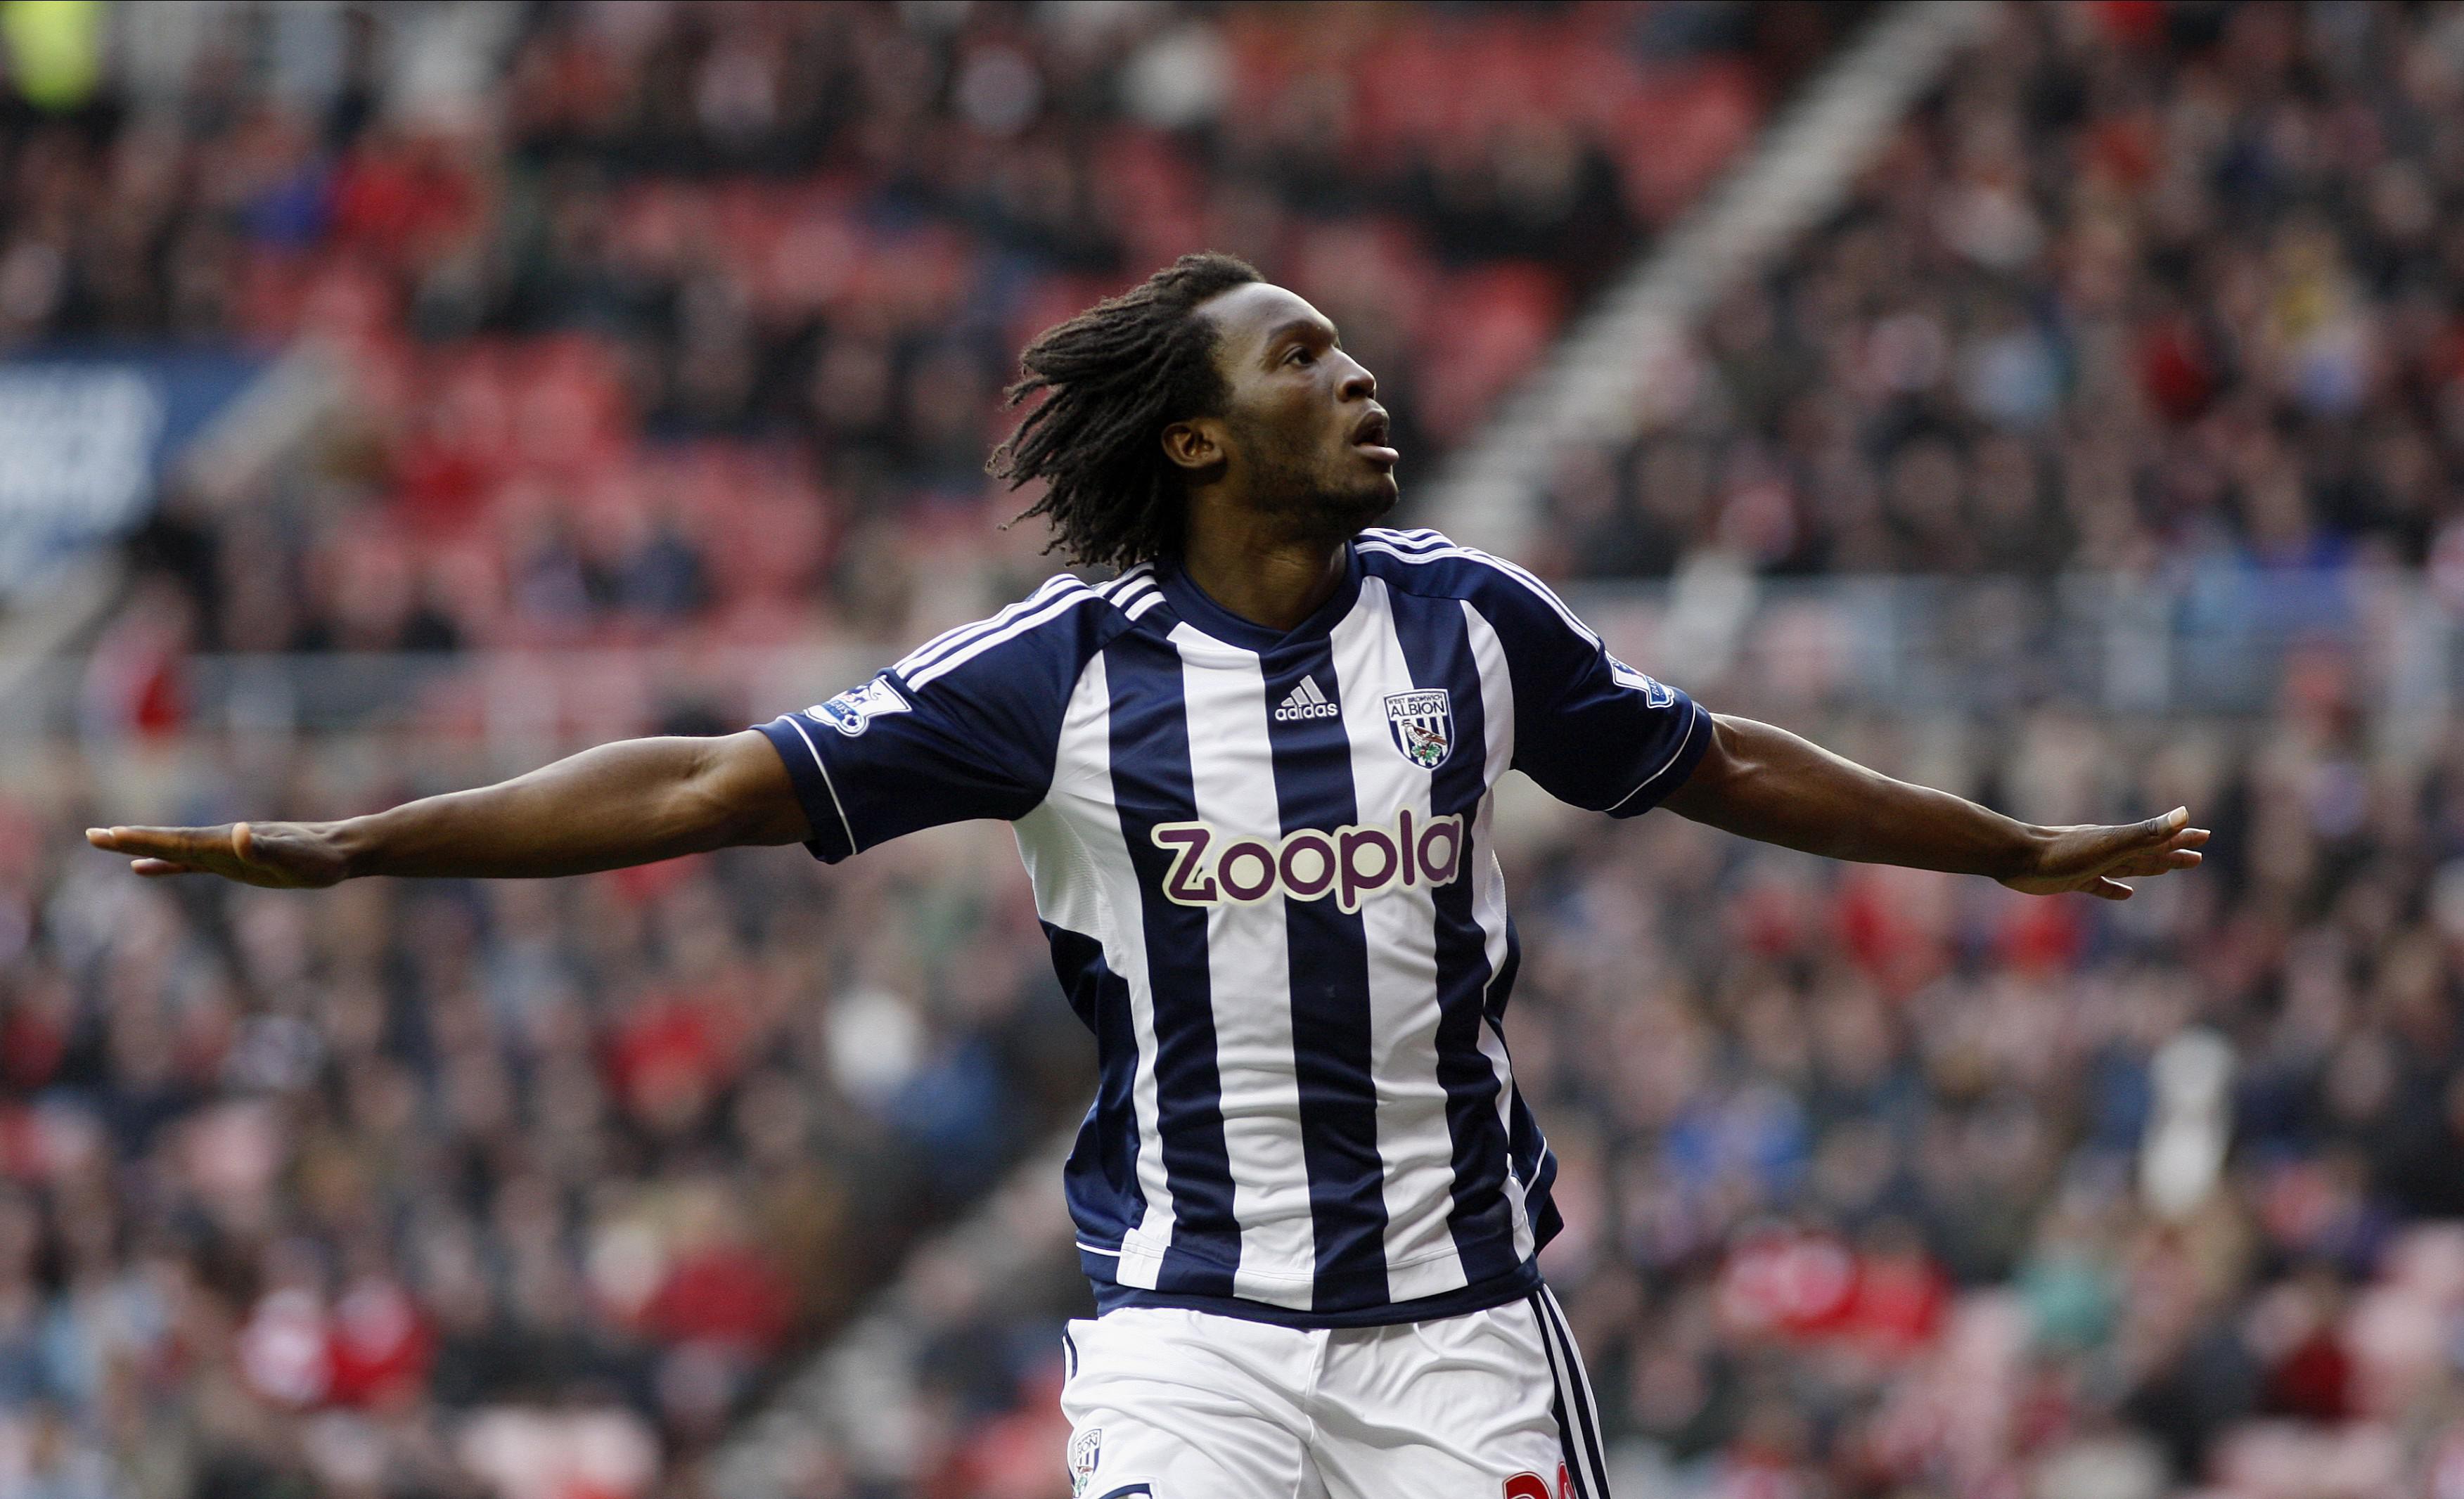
(1190, 602)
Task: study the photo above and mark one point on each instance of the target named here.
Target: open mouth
(1369, 439)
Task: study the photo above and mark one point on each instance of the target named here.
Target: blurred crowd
(1886, 1183)
(2146, 287)
(659, 316)
(1877, 1184)
(673, 322)
(523, 1189)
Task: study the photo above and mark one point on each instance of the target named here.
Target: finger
(2105, 889)
(2161, 861)
(160, 842)
(156, 868)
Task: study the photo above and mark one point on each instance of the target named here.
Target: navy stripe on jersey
(1535, 1165)
(1102, 1177)
(1151, 785)
(1306, 1112)
(1330, 998)
(1439, 652)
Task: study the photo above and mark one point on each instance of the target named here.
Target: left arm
(1766, 783)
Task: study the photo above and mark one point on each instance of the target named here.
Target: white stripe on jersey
(1248, 963)
(1489, 889)
(1129, 585)
(1142, 574)
(1415, 1140)
(1075, 881)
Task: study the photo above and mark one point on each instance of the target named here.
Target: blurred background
(2062, 402)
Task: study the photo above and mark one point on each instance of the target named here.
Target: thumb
(2155, 830)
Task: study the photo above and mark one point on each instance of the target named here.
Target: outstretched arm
(632, 802)
(1762, 782)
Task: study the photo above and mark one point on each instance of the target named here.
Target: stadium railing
(2217, 642)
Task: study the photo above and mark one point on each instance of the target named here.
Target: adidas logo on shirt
(1306, 701)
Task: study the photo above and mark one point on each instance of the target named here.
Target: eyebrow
(1282, 331)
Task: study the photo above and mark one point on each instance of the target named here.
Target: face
(1302, 435)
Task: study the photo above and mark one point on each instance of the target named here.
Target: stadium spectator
(671, 308)
(2147, 287)
(534, 1190)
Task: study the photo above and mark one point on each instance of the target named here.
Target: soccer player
(1251, 777)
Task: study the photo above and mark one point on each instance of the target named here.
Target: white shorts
(1173, 1404)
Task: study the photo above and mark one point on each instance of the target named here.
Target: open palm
(2095, 860)
(277, 855)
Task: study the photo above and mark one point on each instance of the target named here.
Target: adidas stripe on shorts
(1169, 1403)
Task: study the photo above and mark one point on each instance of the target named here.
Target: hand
(2095, 860)
(277, 855)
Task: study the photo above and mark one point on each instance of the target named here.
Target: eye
(1301, 354)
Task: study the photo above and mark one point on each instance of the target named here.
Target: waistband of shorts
(1513, 1286)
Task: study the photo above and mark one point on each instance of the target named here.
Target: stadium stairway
(1597, 384)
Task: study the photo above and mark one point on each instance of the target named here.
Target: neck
(1275, 580)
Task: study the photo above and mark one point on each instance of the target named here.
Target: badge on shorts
(1085, 1450)
(1423, 725)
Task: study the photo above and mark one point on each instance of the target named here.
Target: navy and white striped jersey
(1263, 860)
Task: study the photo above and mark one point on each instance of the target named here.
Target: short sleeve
(943, 737)
(1590, 729)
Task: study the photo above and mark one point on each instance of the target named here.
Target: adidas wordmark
(1306, 701)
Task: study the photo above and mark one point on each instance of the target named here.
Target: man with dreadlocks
(1251, 777)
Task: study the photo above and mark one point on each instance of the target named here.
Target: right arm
(632, 802)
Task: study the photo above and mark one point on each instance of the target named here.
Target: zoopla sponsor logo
(1349, 863)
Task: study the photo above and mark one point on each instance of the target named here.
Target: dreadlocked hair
(1116, 375)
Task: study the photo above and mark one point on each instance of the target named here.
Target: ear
(1195, 444)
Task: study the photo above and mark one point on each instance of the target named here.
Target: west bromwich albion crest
(1423, 726)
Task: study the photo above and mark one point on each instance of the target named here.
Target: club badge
(1422, 724)
(1085, 1450)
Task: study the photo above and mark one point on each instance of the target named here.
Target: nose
(1359, 384)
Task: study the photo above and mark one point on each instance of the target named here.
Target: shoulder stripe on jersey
(814, 750)
(1416, 541)
(1674, 754)
(922, 656)
(948, 640)
(1132, 594)
(1124, 582)
(1499, 564)
(955, 659)
(916, 665)
(1145, 603)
